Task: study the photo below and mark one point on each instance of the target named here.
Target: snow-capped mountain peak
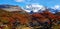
(34, 7)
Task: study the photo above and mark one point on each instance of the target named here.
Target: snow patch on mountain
(34, 7)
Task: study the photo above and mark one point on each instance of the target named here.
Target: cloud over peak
(56, 7)
(19, 0)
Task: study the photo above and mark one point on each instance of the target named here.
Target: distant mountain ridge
(6, 6)
(10, 8)
(38, 9)
(32, 9)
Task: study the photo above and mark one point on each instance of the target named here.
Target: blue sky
(22, 3)
(55, 4)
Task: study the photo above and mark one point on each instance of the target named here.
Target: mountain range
(30, 9)
(11, 13)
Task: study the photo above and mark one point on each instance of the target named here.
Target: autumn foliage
(24, 18)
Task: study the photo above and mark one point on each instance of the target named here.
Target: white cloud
(35, 7)
(19, 0)
(56, 7)
(25, 1)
